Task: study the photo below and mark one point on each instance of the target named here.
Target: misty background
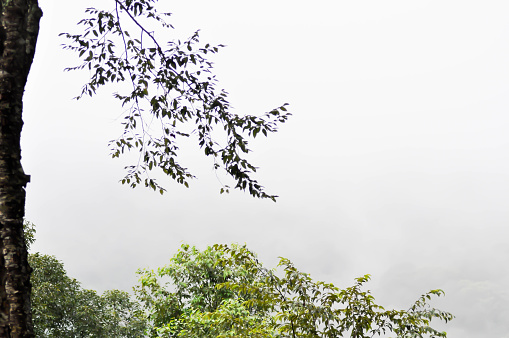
(395, 161)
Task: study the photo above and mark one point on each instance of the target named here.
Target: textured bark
(19, 26)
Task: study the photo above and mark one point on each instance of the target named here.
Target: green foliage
(230, 319)
(305, 308)
(62, 308)
(226, 292)
(124, 317)
(223, 291)
(170, 85)
(187, 288)
(29, 233)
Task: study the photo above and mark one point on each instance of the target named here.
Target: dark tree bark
(19, 26)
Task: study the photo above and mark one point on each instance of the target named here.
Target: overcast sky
(394, 163)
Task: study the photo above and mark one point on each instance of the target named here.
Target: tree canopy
(224, 291)
(61, 307)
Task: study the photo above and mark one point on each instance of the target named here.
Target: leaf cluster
(225, 291)
(172, 94)
(62, 308)
(303, 307)
(187, 288)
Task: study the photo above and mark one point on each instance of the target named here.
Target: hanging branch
(173, 86)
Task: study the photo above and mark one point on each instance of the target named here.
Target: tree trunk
(19, 26)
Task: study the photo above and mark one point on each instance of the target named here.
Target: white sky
(395, 162)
